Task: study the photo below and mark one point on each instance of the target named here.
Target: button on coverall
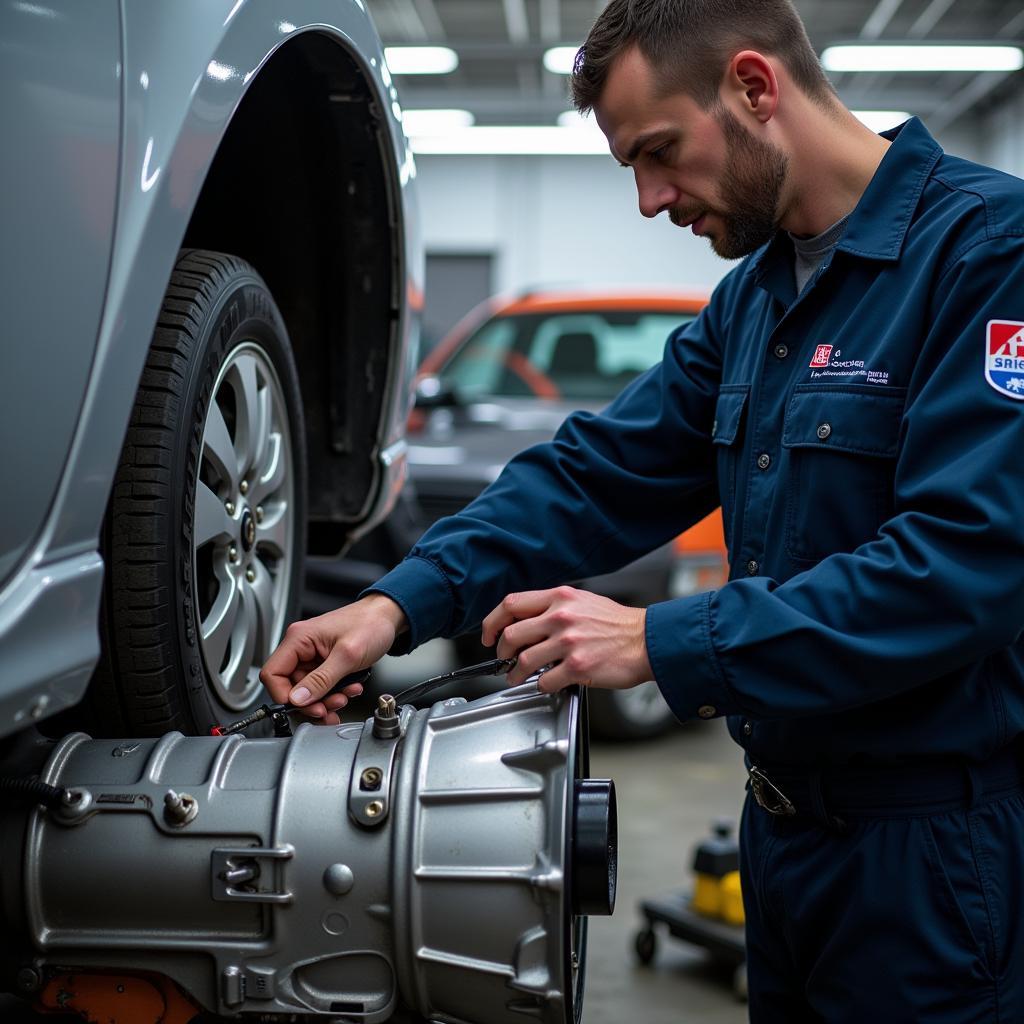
(876, 594)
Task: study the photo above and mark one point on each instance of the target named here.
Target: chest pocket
(726, 434)
(842, 442)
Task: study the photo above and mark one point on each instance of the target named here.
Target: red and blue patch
(1004, 357)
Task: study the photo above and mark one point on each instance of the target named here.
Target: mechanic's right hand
(316, 653)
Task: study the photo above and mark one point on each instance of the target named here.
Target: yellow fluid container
(731, 898)
(707, 896)
(716, 877)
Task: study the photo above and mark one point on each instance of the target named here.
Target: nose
(653, 195)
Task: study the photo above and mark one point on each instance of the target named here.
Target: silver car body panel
(60, 119)
(183, 71)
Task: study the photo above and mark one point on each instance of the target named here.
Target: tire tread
(137, 589)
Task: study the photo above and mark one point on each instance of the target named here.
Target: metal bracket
(369, 794)
(232, 867)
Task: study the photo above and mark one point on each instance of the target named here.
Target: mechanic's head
(686, 90)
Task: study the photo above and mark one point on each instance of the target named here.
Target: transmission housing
(435, 866)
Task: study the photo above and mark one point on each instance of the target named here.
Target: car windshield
(590, 355)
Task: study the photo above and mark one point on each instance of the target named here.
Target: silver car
(211, 279)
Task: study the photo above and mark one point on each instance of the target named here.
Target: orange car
(504, 379)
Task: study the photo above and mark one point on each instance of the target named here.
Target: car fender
(180, 89)
(179, 99)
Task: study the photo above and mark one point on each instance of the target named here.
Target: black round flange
(595, 847)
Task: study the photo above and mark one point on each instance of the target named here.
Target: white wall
(556, 220)
(574, 220)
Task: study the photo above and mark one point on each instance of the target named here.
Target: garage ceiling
(500, 43)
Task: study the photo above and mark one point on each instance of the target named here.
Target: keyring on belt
(768, 795)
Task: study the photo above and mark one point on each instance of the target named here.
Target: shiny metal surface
(59, 121)
(218, 863)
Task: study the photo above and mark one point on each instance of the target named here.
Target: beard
(751, 186)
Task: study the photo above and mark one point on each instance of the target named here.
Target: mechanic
(852, 397)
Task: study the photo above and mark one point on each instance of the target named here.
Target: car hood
(472, 442)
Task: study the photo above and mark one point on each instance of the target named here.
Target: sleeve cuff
(423, 592)
(686, 668)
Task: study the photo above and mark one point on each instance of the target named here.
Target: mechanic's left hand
(596, 641)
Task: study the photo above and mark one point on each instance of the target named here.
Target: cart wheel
(739, 982)
(645, 944)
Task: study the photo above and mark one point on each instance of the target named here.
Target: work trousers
(885, 919)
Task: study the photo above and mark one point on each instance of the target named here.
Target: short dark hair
(689, 42)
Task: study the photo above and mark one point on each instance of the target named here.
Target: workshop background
(508, 207)
(517, 194)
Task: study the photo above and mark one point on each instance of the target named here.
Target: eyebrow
(638, 144)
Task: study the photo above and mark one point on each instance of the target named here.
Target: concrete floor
(669, 791)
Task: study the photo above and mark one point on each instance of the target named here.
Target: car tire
(205, 532)
(636, 714)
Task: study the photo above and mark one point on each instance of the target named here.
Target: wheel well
(301, 187)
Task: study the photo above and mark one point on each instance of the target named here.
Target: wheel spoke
(253, 406)
(274, 533)
(218, 448)
(219, 625)
(236, 676)
(263, 595)
(272, 471)
(212, 521)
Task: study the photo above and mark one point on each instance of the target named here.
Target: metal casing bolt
(179, 808)
(244, 486)
(385, 718)
(371, 778)
(29, 979)
(229, 507)
(375, 808)
(250, 575)
(259, 513)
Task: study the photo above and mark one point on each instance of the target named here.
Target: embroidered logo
(1004, 357)
(821, 355)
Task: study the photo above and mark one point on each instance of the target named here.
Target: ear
(750, 82)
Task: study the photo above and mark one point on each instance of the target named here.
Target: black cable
(494, 667)
(33, 790)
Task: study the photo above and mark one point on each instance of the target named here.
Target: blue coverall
(865, 440)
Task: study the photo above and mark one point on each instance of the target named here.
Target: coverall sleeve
(605, 490)
(938, 587)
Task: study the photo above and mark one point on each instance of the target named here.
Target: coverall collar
(878, 223)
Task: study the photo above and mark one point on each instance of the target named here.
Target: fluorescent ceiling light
(574, 119)
(506, 140)
(880, 120)
(435, 122)
(560, 59)
(922, 57)
(421, 60)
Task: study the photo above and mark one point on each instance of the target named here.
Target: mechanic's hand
(596, 641)
(316, 653)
